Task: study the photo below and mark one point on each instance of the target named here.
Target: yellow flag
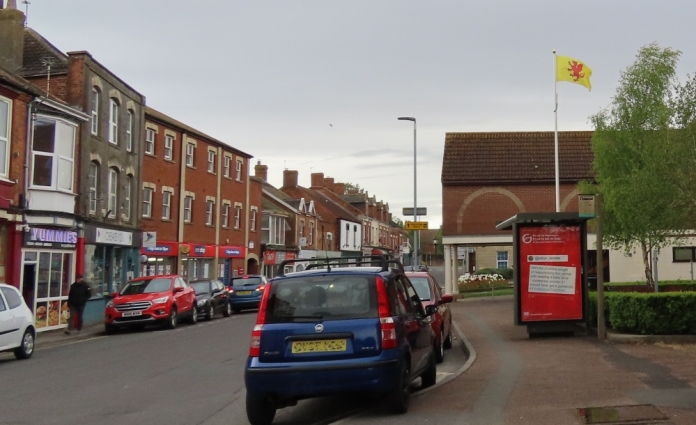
(573, 71)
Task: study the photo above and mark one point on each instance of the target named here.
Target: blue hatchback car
(336, 330)
(245, 291)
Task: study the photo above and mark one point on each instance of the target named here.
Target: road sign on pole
(416, 225)
(409, 211)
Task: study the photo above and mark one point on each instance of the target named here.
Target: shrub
(505, 273)
(481, 281)
(648, 314)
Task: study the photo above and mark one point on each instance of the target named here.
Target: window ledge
(170, 160)
(8, 181)
(145, 217)
(211, 172)
(48, 189)
(238, 180)
(150, 154)
(167, 220)
(191, 166)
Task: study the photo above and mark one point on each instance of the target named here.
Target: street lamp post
(416, 233)
(435, 245)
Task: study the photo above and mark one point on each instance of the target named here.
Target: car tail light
(255, 345)
(386, 322)
(261, 288)
(230, 289)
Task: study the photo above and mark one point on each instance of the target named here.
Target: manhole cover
(637, 414)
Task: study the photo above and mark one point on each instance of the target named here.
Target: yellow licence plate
(244, 293)
(323, 346)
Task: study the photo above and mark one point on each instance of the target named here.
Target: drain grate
(635, 414)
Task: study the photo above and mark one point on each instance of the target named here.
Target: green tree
(351, 186)
(642, 156)
(398, 221)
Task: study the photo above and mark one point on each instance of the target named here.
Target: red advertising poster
(550, 273)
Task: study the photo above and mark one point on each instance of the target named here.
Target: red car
(430, 293)
(151, 300)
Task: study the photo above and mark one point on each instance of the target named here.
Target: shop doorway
(472, 262)
(252, 266)
(28, 284)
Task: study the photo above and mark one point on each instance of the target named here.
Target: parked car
(211, 298)
(246, 291)
(338, 330)
(431, 294)
(151, 300)
(17, 331)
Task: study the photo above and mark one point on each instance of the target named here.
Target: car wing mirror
(113, 294)
(430, 310)
(178, 289)
(446, 298)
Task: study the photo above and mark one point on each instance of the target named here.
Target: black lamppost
(435, 245)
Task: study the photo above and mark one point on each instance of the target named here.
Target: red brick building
(489, 177)
(197, 197)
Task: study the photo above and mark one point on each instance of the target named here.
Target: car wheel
(259, 412)
(448, 340)
(400, 397)
(110, 329)
(227, 312)
(429, 378)
(193, 317)
(26, 349)
(439, 349)
(211, 312)
(173, 319)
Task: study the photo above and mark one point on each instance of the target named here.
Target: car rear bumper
(245, 302)
(304, 380)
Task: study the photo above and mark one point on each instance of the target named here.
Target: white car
(17, 331)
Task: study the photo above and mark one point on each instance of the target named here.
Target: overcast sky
(317, 86)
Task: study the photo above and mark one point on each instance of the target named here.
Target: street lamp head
(435, 242)
(407, 119)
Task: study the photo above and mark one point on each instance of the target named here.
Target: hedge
(505, 273)
(647, 314)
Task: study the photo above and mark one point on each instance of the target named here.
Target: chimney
(317, 180)
(290, 178)
(261, 171)
(12, 36)
(340, 189)
(329, 183)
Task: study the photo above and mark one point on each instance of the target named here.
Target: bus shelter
(549, 263)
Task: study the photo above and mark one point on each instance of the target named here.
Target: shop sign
(149, 239)
(50, 238)
(231, 252)
(113, 237)
(164, 249)
(277, 257)
(202, 250)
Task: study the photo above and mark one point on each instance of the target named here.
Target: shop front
(48, 269)
(161, 259)
(111, 258)
(232, 261)
(198, 261)
(272, 258)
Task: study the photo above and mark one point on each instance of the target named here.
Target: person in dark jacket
(80, 292)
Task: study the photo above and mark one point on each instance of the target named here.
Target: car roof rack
(382, 261)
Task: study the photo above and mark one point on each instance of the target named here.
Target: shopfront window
(107, 268)
(45, 286)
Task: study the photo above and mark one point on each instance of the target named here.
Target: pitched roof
(475, 158)
(18, 82)
(151, 113)
(38, 52)
(269, 205)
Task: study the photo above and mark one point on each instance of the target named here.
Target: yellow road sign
(416, 225)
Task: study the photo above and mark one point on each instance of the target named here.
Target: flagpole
(555, 130)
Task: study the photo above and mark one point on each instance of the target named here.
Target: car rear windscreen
(422, 287)
(241, 281)
(335, 297)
